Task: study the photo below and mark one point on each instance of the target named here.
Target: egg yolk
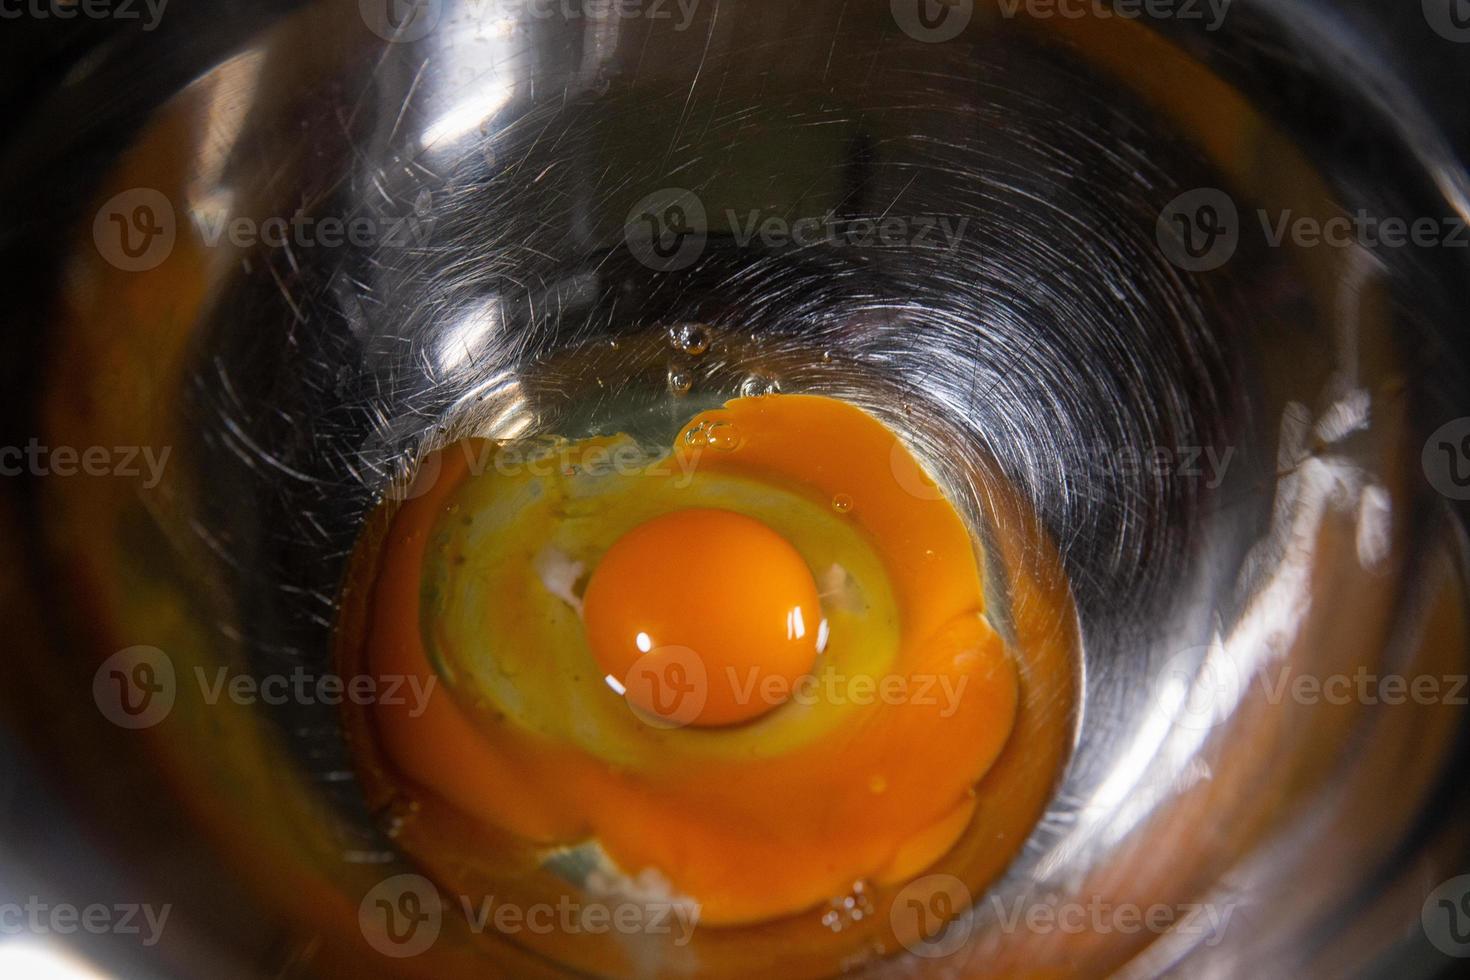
(703, 617)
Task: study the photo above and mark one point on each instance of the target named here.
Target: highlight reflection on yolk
(697, 614)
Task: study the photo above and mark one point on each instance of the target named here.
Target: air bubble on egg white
(691, 338)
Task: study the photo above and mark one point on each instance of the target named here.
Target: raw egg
(755, 666)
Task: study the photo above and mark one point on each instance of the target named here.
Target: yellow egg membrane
(869, 776)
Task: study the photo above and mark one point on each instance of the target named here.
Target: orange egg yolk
(703, 617)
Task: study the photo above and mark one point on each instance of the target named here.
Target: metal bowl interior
(975, 238)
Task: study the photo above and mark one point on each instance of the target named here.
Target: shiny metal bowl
(265, 257)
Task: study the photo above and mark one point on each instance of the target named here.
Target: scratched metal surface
(1052, 337)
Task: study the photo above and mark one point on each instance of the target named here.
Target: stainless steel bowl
(266, 257)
